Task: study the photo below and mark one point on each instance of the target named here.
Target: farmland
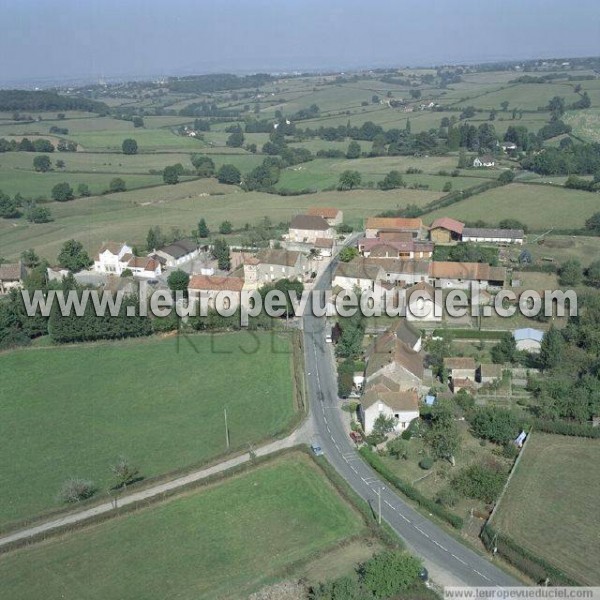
(152, 401)
(549, 504)
(286, 507)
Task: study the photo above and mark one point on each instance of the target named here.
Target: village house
(112, 258)
(333, 216)
(460, 367)
(357, 274)
(422, 304)
(446, 230)
(207, 287)
(308, 228)
(401, 272)
(56, 273)
(407, 250)
(487, 160)
(144, 266)
(273, 264)
(178, 252)
(459, 275)
(529, 339)
(493, 236)
(508, 146)
(489, 373)
(376, 226)
(324, 247)
(11, 276)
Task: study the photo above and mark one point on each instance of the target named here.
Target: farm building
(489, 373)
(407, 250)
(11, 276)
(493, 236)
(357, 273)
(462, 275)
(484, 161)
(206, 288)
(324, 246)
(272, 264)
(333, 216)
(460, 367)
(528, 339)
(375, 226)
(178, 252)
(508, 146)
(446, 230)
(403, 272)
(422, 304)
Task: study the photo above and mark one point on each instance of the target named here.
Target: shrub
(447, 497)
(426, 463)
(481, 482)
(75, 490)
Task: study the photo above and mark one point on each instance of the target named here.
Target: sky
(45, 39)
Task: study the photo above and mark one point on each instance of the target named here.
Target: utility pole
(379, 490)
(226, 428)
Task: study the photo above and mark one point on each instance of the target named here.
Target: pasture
(549, 505)
(286, 508)
(540, 207)
(71, 411)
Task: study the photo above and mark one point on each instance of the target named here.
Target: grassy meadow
(193, 546)
(549, 505)
(71, 411)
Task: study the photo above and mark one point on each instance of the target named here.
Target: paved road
(448, 561)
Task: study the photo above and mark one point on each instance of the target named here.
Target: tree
(9, 207)
(398, 448)
(62, 192)
(443, 436)
(506, 177)
(570, 273)
(124, 472)
(38, 214)
(383, 425)
(203, 230)
(178, 281)
(392, 181)
(593, 223)
(353, 150)
(75, 490)
(415, 94)
(504, 105)
(389, 573)
(204, 165)
(83, 190)
(552, 349)
(593, 273)
(229, 174)
(73, 256)
(154, 239)
(171, 175)
(235, 140)
(138, 121)
(225, 227)
(349, 180)
(29, 258)
(60, 164)
(347, 253)
(129, 146)
(42, 164)
(505, 350)
(481, 482)
(447, 187)
(221, 254)
(117, 184)
(497, 425)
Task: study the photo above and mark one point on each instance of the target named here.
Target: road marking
(422, 532)
(440, 546)
(392, 507)
(460, 560)
(481, 575)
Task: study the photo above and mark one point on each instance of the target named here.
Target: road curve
(449, 562)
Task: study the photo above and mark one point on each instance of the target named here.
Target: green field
(541, 207)
(70, 411)
(549, 507)
(221, 542)
(128, 216)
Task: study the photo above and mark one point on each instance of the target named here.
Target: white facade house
(11, 276)
(385, 398)
(308, 229)
(333, 216)
(357, 274)
(144, 267)
(493, 236)
(112, 258)
(529, 339)
(484, 161)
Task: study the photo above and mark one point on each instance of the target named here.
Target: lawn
(550, 505)
(224, 541)
(128, 216)
(540, 207)
(70, 411)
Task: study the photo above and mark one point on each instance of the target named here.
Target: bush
(426, 463)
(75, 490)
(481, 482)
(447, 497)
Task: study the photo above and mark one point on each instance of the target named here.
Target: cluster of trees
(13, 208)
(387, 575)
(579, 183)
(351, 334)
(16, 100)
(580, 159)
(467, 252)
(26, 145)
(201, 84)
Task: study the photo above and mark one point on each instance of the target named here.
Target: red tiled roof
(215, 283)
(327, 212)
(394, 223)
(449, 224)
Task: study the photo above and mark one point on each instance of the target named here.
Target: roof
(528, 333)
(272, 256)
(386, 349)
(143, 262)
(215, 283)
(466, 270)
(449, 224)
(180, 248)
(486, 158)
(490, 370)
(312, 222)
(392, 223)
(381, 247)
(407, 333)
(358, 268)
(323, 243)
(326, 212)
(459, 362)
(12, 271)
(493, 233)
(161, 259)
(396, 236)
(400, 401)
(400, 266)
(463, 383)
(112, 247)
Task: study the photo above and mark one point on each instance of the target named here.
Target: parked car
(316, 449)
(356, 437)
